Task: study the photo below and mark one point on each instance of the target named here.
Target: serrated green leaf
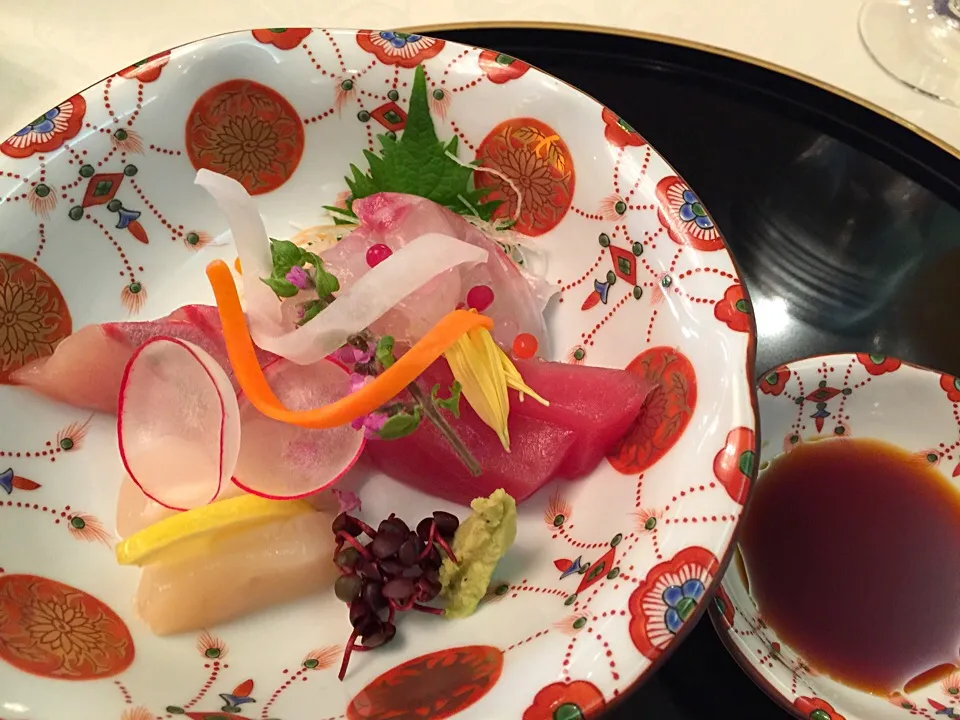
(418, 163)
(400, 425)
(310, 311)
(282, 288)
(452, 403)
(326, 283)
(284, 255)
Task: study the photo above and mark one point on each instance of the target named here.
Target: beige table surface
(49, 49)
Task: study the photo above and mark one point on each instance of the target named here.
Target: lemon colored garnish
(485, 373)
(197, 529)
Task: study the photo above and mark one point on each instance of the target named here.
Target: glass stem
(449, 434)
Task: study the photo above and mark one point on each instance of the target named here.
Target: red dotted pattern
(176, 231)
(585, 214)
(314, 61)
(41, 243)
(317, 118)
(106, 98)
(336, 49)
(588, 337)
(211, 679)
(463, 137)
(302, 674)
(116, 245)
(653, 317)
(563, 532)
(715, 271)
(702, 518)
(585, 276)
(50, 451)
(127, 699)
(164, 151)
(462, 54)
(527, 640)
(58, 515)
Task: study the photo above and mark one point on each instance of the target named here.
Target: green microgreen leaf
(400, 425)
(283, 288)
(451, 403)
(384, 352)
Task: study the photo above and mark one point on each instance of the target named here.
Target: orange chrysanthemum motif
(56, 631)
(248, 131)
(531, 165)
(322, 658)
(89, 529)
(211, 647)
(33, 314)
(133, 297)
(558, 511)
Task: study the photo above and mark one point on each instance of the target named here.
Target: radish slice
(178, 424)
(282, 461)
(356, 308)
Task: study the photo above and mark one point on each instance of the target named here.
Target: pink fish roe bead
(377, 254)
(479, 298)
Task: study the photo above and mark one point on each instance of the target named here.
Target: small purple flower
(358, 381)
(348, 501)
(299, 277)
(350, 355)
(372, 424)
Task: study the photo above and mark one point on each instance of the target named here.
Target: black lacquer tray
(843, 221)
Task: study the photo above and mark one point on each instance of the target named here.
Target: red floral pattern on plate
(148, 69)
(666, 412)
(734, 309)
(430, 687)
(538, 163)
(816, 709)
(34, 316)
(248, 131)
(668, 597)
(774, 382)
(500, 68)
(878, 364)
(405, 50)
(618, 132)
(684, 216)
(49, 131)
(282, 38)
(56, 631)
(577, 700)
(951, 386)
(736, 464)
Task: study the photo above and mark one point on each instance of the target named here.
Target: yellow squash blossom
(485, 373)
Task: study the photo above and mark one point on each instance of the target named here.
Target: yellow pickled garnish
(198, 529)
(485, 373)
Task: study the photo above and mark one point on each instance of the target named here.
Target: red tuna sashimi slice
(178, 425)
(590, 410)
(426, 462)
(514, 301)
(86, 368)
(282, 461)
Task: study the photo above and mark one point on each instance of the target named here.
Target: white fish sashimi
(178, 425)
(356, 308)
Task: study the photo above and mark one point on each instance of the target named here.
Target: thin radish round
(282, 461)
(178, 423)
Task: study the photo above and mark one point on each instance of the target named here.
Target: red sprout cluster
(396, 570)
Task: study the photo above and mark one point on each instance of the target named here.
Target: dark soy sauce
(852, 550)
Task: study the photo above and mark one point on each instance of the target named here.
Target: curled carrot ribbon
(386, 386)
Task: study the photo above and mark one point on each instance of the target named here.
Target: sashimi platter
(356, 375)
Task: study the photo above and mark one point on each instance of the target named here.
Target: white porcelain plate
(860, 396)
(101, 221)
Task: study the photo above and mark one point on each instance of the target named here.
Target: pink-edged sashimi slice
(282, 461)
(86, 368)
(590, 410)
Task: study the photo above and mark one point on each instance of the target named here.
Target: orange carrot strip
(384, 387)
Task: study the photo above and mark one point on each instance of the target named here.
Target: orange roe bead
(525, 346)
(236, 264)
